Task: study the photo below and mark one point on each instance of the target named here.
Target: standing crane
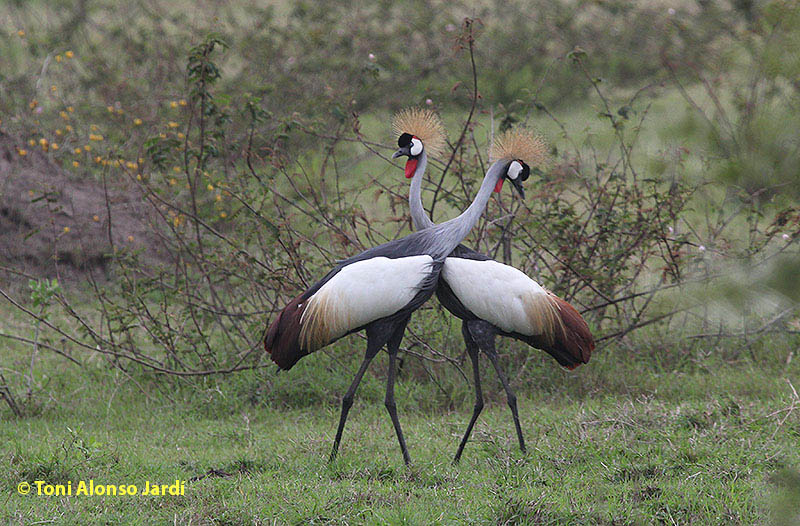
(489, 297)
(376, 291)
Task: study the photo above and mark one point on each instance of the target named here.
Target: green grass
(697, 447)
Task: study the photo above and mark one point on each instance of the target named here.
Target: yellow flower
(31, 142)
(176, 169)
(59, 132)
(110, 109)
(66, 230)
(131, 166)
(210, 187)
(95, 218)
(182, 102)
(173, 104)
(181, 135)
(137, 121)
(53, 88)
(172, 124)
(88, 148)
(43, 141)
(98, 159)
(172, 181)
(130, 238)
(75, 164)
(218, 198)
(141, 160)
(68, 128)
(69, 54)
(162, 135)
(63, 115)
(120, 111)
(54, 146)
(58, 58)
(77, 150)
(70, 109)
(138, 177)
(32, 104)
(223, 215)
(96, 137)
(21, 33)
(93, 127)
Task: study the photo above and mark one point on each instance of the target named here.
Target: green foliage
(43, 291)
(747, 115)
(787, 499)
(252, 202)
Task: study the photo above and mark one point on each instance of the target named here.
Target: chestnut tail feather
(573, 343)
(282, 341)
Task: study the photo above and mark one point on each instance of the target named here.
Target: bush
(253, 201)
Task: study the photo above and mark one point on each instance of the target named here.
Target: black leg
(393, 347)
(347, 401)
(472, 349)
(512, 398)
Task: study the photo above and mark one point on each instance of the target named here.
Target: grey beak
(518, 185)
(401, 152)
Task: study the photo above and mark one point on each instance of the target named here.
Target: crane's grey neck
(418, 215)
(450, 233)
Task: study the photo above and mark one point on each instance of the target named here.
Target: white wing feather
(501, 295)
(360, 293)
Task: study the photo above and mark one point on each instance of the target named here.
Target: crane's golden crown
(520, 143)
(425, 124)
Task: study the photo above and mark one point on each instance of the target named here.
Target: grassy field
(607, 444)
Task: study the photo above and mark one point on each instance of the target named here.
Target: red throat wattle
(499, 186)
(411, 167)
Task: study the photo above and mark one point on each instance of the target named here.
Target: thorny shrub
(249, 218)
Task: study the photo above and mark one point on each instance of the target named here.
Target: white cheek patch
(416, 147)
(514, 169)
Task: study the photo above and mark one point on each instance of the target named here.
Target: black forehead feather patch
(526, 171)
(404, 140)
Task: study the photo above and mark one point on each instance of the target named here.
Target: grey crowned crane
(375, 291)
(492, 298)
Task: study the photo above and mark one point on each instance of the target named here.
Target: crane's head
(411, 146)
(419, 131)
(516, 172)
(520, 148)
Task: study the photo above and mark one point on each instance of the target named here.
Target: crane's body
(495, 299)
(474, 287)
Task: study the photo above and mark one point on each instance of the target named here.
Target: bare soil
(59, 224)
